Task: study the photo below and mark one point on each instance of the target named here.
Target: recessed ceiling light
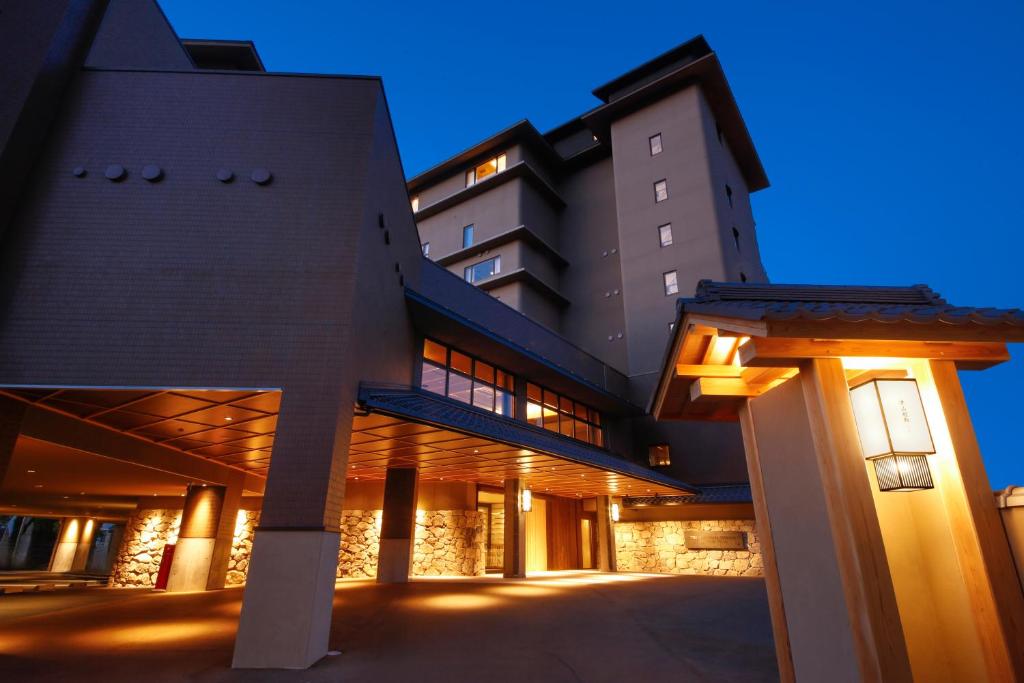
(65, 497)
(39, 486)
(228, 419)
(31, 471)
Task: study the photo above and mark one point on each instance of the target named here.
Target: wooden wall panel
(563, 533)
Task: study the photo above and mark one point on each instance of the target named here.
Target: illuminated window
(415, 203)
(660, 191)
(426, 248)
(483, 270)
(658, 455)
(671, 283)
(545, 408)
(467, 236)
(665, 234)
(461, 377)
(485, 170)
(655, 142)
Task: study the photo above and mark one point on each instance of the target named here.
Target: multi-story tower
(595, 228)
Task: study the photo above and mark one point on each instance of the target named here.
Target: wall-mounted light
(527, 500)
(615, 512)
(894, 433)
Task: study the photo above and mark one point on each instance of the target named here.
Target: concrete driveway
(556, 626)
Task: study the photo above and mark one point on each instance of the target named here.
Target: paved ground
(574, 626)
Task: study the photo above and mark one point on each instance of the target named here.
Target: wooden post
(398, 525)
(606, 560)
(984, 554)
(867, 584)
(515, 530)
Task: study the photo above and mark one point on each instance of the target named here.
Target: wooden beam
(696, 371)
(765, 352)
(731, 327)
(874, 330)
(716, 388)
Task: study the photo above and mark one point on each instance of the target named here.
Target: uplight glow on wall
(527, 500)
(894, 433)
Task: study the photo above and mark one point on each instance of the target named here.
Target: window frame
(568, 415)
(650, 143)
(496, 270)
(426, 249)
(675, 281)
(663, 182)
(500, 162)
(661, 235)
(497, 390)
(469, 230)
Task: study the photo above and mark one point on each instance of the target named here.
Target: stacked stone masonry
(241, 547)
(360, 544)
(449, 543)
(145, 535)
(660, 547)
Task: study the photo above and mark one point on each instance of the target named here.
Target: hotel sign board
(715, 540)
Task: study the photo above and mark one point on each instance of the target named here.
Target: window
(426, 248)
(665, 234)
(545, 408)
(736, 238)
(671, 283)
(728, 195)
(660, 191)
(658, 455)
(467, 236)
(485, 170)
(415, 202)
(483, 270)
(655, 143)
(461, 377)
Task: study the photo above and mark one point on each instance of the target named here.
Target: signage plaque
(715, 540)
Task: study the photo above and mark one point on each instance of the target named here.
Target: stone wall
(659, 547)
(241, 547)
(360, 544)
(142, 548)
(449, 543)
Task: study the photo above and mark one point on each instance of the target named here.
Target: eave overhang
(520, 233)
(521, 169)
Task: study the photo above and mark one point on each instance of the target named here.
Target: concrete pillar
(397, 525)
(64, 552)
(289, 589)
(225, 535)
(515, 530)
(193, 553)
(606, 560)
(84, 545)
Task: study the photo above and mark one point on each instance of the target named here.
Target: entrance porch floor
(552, 626)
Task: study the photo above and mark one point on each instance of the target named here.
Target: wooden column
(515, 530)
(225, 532)
(870, 599)
(985, 558)
(63, 557)
(398, 525)
(772, 582)
(606, 560)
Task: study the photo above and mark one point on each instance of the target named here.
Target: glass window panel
(483, 270)
(581, 411)
(459, 387)
(550, 419)
(483, 396)
(435, 352)
(582, 430)
(534, 414)
(504, 380)
(550, 399)
(483, 372)
(462, 363)
(504, 403)
(565, 404)
(595, 417)
(426, 248)
(486, 169)
(566, 425)
(597, 437)
(432, 378)
(671, 283)
(533, 392)
(665, 234)
(467, 236)
(501, 162)
(470, 177)
(415, 203)
(655, 144)
(660, 191)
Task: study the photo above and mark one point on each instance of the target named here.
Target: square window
(655, 142)
(467, 236)
(671, 283)
(660, 191)
(665, 234)
(426, 248)
(483, 270)
(658, 455)
(415, 202)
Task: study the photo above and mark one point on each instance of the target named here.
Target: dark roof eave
(528, 278)
(519, 170)
(520, 232)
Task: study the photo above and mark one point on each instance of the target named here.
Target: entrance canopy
(452, 442)
(735, 341)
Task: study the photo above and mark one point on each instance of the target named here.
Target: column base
(190, 567)
(289, 596)
(393, 560)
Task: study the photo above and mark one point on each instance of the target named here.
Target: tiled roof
(771, 302)
(422, 406)
(726, 493)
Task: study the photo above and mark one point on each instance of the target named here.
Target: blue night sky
(890, 131)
